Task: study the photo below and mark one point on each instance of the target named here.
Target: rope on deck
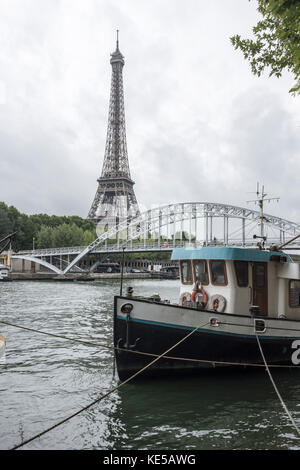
(275, 387)
(110, 391)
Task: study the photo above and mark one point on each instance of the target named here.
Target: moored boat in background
(4, 273)
(4, 269)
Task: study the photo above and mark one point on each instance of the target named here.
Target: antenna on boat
(261, 198)
(122, 272)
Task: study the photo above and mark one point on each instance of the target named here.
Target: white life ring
(185, 296)
(217, 303)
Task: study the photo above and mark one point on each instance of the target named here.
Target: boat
(166, 272)
(4, 273)
(5, 270)
(232, 302)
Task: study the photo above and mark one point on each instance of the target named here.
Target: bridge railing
(138, 246)
(105, 247)
(53, 251)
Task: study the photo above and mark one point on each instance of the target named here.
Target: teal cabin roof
(226, 253)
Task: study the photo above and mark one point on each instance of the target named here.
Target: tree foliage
(276, 43)
(43, 230)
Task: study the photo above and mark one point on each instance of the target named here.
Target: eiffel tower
(115, 197)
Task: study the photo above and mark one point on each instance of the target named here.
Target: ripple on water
(45, 379)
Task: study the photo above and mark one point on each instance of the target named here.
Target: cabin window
(294, 294)
(242, 273)
(218, 272)
(186, 272)
(200, 271)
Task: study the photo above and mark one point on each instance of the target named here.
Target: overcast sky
(200, 126)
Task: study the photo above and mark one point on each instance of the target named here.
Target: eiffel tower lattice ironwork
(115, 197)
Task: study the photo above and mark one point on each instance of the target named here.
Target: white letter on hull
(296, 354)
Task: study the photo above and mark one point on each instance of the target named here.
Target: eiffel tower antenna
(115, 196)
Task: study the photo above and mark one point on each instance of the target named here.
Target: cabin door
(260, 286)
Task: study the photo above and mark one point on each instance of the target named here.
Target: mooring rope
(142, 353)
(47, 333)
(275, 387)
(157, 357)
(110, 391)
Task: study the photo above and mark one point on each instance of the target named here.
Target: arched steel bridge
(166, 227)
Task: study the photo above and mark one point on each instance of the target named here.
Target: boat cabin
(240, 281)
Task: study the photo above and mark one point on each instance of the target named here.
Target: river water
(45, 379)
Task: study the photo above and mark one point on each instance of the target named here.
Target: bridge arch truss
(185, 223)
(188, 223)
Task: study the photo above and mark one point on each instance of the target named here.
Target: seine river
(45, 379)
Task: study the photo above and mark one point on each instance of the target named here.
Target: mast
(261, 198)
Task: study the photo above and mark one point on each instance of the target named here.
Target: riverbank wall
(47, 276)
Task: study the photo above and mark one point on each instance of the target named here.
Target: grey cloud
(199, 126)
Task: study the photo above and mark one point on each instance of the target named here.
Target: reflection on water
(45, 379)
